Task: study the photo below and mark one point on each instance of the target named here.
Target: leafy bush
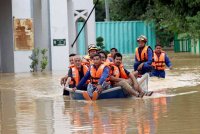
(44, 61)
(34, 57)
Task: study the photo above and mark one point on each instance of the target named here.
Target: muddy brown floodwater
(33, 104)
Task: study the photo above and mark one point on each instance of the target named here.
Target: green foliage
(34, 57)
(100, 10)
(35, 60)
(44, 61)
(172, 16)
(99, 41)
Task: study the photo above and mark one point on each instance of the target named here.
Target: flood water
(33, 104)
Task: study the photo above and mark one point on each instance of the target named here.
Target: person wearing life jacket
(99, 79)
(122, 77)
(111, 54)
(64, 79)
(104, 57)
(160, 61)
(75, 74)
(143, 56)
(92, 49)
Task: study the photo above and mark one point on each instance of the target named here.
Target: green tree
(100, 10)
(170, 16)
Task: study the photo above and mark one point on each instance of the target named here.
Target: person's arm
(84, 79)
(114, 79)
(150, 55)
(168, 62)
(64, 79)
(104, 75)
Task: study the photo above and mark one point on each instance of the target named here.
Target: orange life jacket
(144, 54)
(75, 74)
(107, 62)
(96, 74)
(159, 62)
(119, 72)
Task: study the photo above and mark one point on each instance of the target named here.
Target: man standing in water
(160, 59)
(143, 56)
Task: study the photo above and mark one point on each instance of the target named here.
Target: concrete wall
(91, 25)
(40, 14)
(21, 9)
(6, 35)
(59, 30)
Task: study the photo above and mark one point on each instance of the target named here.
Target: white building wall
(59, 30)
(21, 9)
(91, 26)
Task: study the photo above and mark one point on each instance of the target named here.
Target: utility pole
(107, 10)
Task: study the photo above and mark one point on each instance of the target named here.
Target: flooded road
(33, 104)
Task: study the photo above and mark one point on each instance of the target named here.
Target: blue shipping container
(121, 35)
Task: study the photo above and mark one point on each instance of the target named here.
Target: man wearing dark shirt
(143, 56)
(75, 74)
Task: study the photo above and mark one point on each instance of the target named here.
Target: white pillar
(59, 30)
(87, 5)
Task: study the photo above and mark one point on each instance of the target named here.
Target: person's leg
(146, 68)
(126, 86)
(135, 86)
(90, 89)
(155, 73)
(135, 66)
(162, 74)
(88, 94)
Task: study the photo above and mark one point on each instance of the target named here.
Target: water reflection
(116, 116)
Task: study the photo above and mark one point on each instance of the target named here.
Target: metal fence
(121, 35)
(182, 44)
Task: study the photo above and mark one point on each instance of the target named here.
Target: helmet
(142, 37)
(92, 47)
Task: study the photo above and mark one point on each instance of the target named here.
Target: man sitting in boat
(160, 59)
(143, 56)
(92, 49)
(112, 53)
(71, 58)
(98, 74)
(122, 77)
(64, 79)
(104, 57)
(76, 73)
